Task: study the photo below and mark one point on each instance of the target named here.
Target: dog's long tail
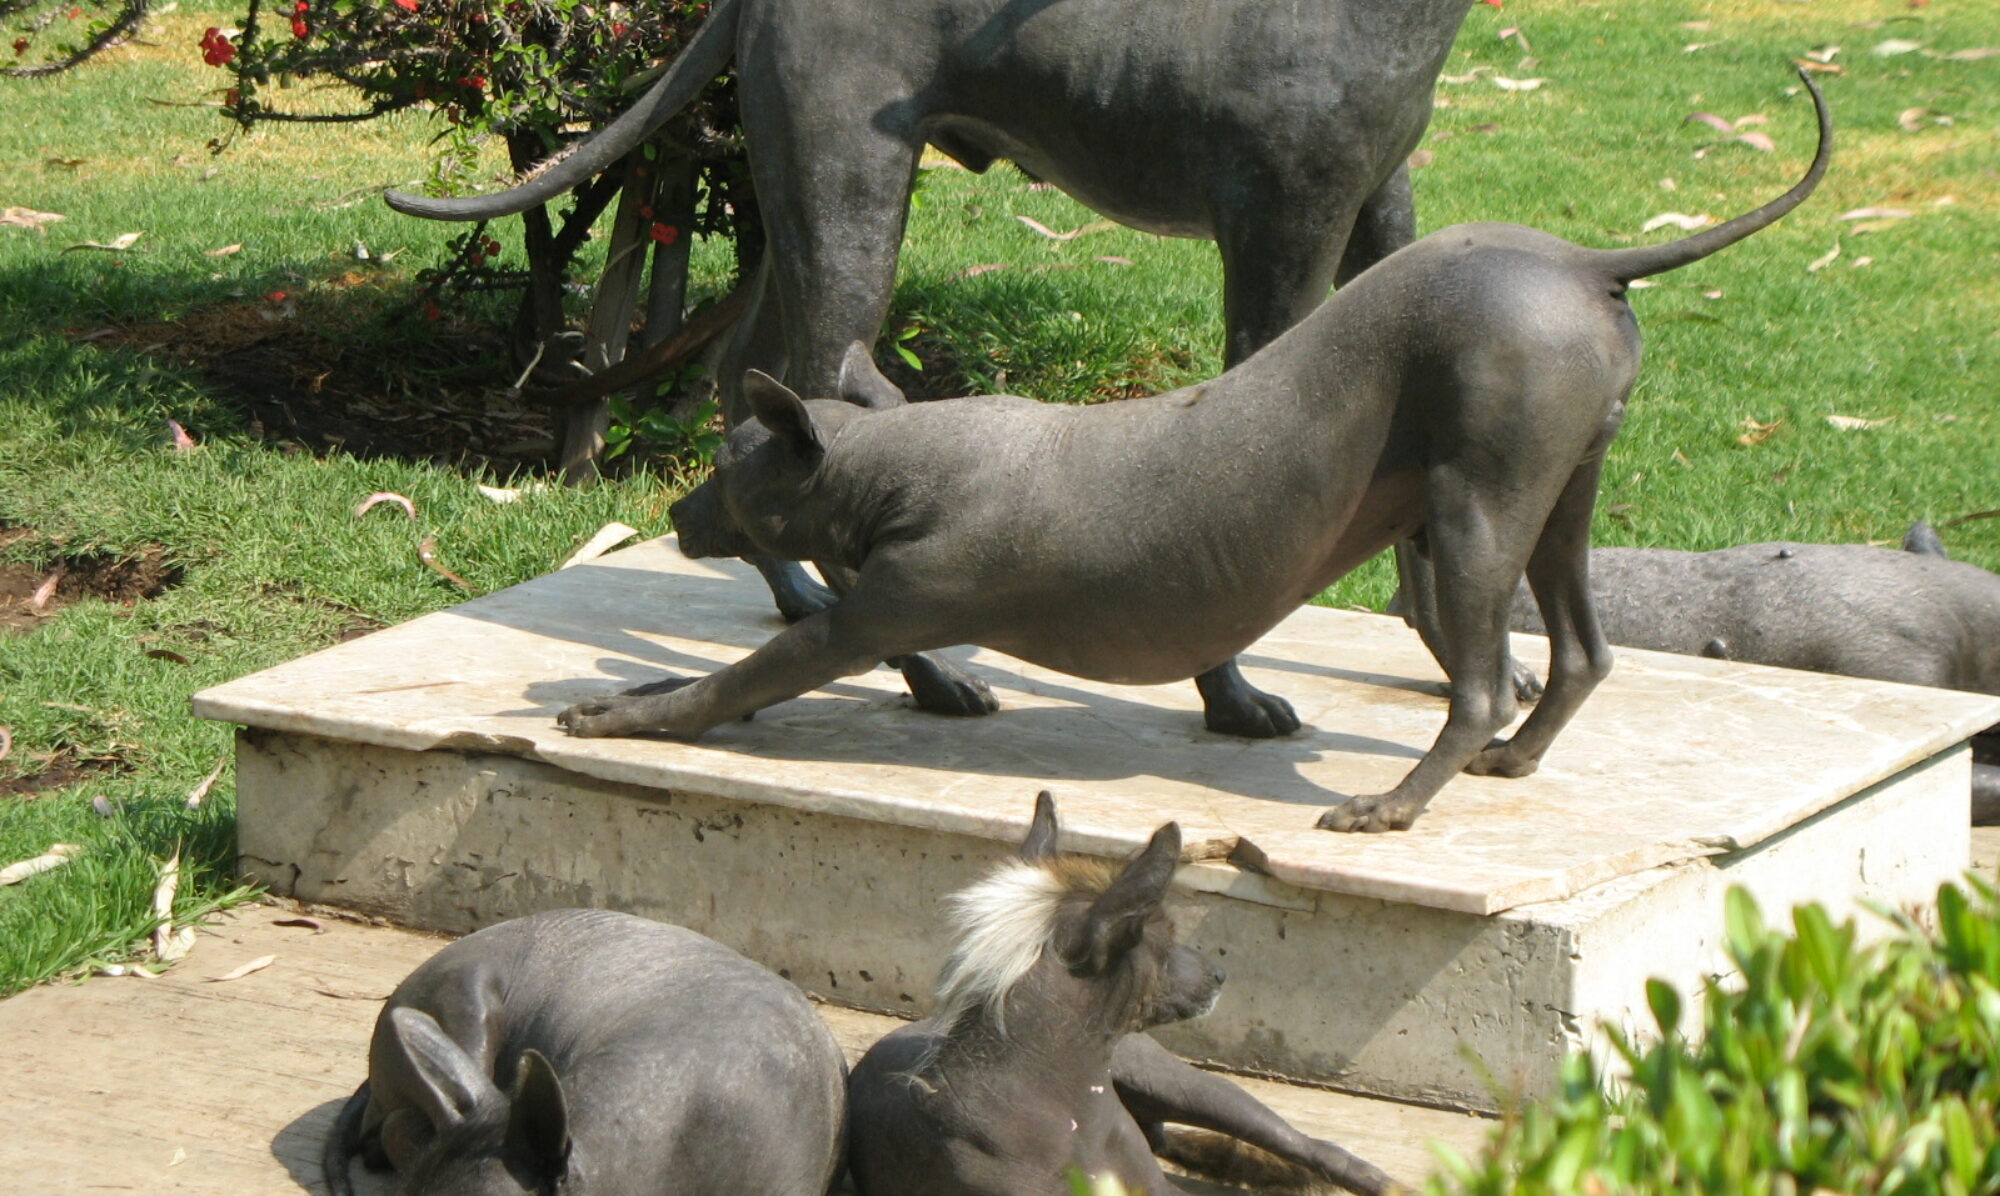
(1625, 265)
(705, 57)
(340, 1142)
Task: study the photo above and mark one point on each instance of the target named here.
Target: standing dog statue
(596, 1054)
(1033, 1064)
(1274, 128)
(1467, 385)
(1916, 616)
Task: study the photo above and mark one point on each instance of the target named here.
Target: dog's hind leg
(1579, 656)
(1481, 534)
(1233, 706)
(1156, 1087)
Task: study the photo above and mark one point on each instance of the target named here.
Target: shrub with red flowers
(55, 35)
(532, 73)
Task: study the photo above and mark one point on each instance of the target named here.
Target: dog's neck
(1054, 1030)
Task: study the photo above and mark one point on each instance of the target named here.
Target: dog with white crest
(1034, 1066)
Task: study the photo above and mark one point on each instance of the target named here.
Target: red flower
(302, 6)
(299, 28)
(407, 5)
(275, 297)
(617, 30)
(215, 48)
(431, 312)
(475, 82)
(665, 234)
(75, 12)
(493, 247)
(20, 46)
(231, 98)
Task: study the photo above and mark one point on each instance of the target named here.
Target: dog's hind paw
(1371, 815)
(1232, 706)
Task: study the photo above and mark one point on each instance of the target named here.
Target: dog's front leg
(1156, 1086)
(936, 684)
(838, 642)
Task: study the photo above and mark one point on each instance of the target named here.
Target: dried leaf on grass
(1756, 433)
(427, 553)
(1973, 54)
(200, 792)
(608, 537)
(121, 243)
(6, 742)
(30, 218)
(1505, 84)
(312, 924)
(45, 591)
(1114, 260)
(166, 654)
(1095, 226)
(1467, 77)
(1824, 260)
(1877, 214)
(102, 807)
(225, 251)
(985, 268)
(169, 944)
(256, 965)
(1891, 47)
(1854, 423)
(1758, 141)
(1819, 68)
(382, 496)
(182, 441)
(1678, 220)
(55, 857)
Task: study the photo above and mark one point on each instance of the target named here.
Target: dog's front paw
(1253, 714)
(1371, 815)
(940, 688)
(593, 719)
(1500, 759)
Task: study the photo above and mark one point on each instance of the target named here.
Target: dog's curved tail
(340, 1143)
(1624, 265)
(703, 59)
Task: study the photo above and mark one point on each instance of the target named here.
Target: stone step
(184, 1084)
(418, 774)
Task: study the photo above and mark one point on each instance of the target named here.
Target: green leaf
(1665, 1002)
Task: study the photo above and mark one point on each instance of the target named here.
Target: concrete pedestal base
(417, 774)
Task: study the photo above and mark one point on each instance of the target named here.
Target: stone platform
(418, 774)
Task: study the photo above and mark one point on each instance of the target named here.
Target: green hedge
(1820, 1068)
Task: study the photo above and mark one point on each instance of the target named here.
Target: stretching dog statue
(1274, 128)
(598, 1054)
(1033, 1064)
(1467, 385)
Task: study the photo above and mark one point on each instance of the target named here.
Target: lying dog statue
(1916, 616)
(1276, 129)
(581, 1051)
(1031, 1067)
(1467, 385)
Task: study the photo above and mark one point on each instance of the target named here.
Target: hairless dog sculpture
(1275, 128)
(1468, 385)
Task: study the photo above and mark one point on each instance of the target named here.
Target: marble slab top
(1672, 758)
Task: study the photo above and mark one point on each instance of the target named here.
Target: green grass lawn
(1902, 327)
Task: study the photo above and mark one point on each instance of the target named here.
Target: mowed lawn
(1571, 115)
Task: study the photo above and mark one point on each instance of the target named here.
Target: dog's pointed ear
(1042, 830)
(862, 384)
(1923, 539)
(1117, 920)
(538, 1117)
(451, 1086)
(780, 409)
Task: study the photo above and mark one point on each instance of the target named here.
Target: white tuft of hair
(1000, 927)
